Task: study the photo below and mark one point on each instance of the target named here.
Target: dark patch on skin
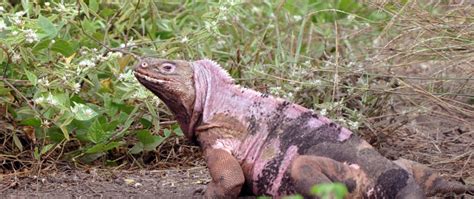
(253, 125)
(350, 184)
(303, 136)
(282, 106)
(267, 177)
(349, 151)
(390, 182)
(287, 186)
(264, 95)
(314, 115)
(293, 132)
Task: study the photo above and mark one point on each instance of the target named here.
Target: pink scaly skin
(257, 143)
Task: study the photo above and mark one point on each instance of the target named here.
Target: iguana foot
(431, 182)
(307, 171)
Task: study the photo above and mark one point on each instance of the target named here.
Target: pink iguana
(269, 146)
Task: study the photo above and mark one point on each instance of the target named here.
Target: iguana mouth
(148, 78)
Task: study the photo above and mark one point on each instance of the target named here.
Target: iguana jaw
(140, 77)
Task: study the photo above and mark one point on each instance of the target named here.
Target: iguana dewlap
(272, 146)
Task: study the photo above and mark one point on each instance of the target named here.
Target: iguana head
(172, 82)
(187, 88)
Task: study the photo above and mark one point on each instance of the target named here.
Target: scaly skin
(268, 146)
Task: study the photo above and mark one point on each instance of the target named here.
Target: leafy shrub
(67, 66)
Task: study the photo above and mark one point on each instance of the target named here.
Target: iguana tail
(431, 182)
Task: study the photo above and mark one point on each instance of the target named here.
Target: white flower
(3, 26)
(223, 8)
(351, 17)
(223, 18)
(46, 123)
(44, 81)
(77, 88)
(61, 8)
(341, 120)
(30, 36)
(14, 33)
(102, 58)
(88, 112)
(122, 46)
(184, 39)
(323, 112)
(16, 57)
(39, 100)
(86, 63)
(275, 90)
(127, 76)
(52, 101)
(353, 125)
(297, 17)
(317, 82)
(20, 13)
(94, 50)
(47, 4)
(140, 93)
(220, 43)
(255, 9)
(289, 96)
(2, 9)
(53, 41)
(17, 21)
(115, 54)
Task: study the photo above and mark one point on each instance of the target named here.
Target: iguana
(268, 146)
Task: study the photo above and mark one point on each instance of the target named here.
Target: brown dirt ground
(107, 183)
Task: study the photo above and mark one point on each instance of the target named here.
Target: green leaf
(329, 190)
(31, 77)
(297, 196)
(47, 27)
(178, 131)
(102, 147)
(83, 112)
(150, 142)
(41, 45)
(46, 148)
(93, 5)
(98, 132)
(55, 134)
(63, 47)
(31, 122)
(36, 153)
(17, 142)
(84, 8)
(137, 148)
(65, 132)
(166, 132)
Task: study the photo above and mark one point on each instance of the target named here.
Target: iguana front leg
(227, 175)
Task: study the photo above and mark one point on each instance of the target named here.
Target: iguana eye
(168, 67)
(144, 65)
